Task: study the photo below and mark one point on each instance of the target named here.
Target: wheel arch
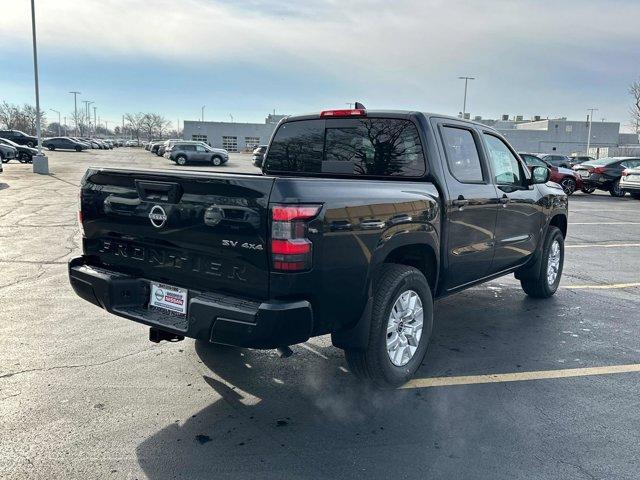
(559, 220)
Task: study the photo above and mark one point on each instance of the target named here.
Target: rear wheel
(2, 159)
(615, 190)
(544, 282)
(568, 184)
(30, 144)
(217, 161)
(78, 149)
(51, 147)
(588, 189)
(181, 160)
(401, 324)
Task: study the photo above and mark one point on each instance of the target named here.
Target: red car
(565, 177)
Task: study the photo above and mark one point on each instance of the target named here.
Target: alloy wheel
(404, 328)
(553, 264)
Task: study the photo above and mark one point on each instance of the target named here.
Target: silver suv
(192, 152)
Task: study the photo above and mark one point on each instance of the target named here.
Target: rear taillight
(291, 250)
(625, 172)
(597, 170)
(80, 225)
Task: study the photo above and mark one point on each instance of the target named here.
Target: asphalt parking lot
(511, 388)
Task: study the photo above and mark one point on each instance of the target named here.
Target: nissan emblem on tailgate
(158, 216)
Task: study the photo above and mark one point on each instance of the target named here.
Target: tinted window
(533, 161)
(367, 146)
(462, 154)
(506, 167)
(200, 148)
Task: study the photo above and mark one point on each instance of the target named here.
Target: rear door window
(363, 146)
(462, 155)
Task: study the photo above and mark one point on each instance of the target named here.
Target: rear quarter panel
(361, 222)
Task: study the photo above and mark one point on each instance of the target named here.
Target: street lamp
(40, 161)
(464, 103)
(75, 110)
(589, 132)
(202, 113)
(87, 113)
(56, 111)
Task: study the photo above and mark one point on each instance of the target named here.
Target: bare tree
(9, 115)
(634, 90)
(135, 121)
(29, 117)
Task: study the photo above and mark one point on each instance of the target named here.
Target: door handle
(504, 200)
(460, 202)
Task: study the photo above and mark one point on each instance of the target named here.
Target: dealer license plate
(169, 298)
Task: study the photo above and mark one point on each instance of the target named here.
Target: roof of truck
(390, 114)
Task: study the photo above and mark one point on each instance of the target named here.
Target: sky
(248, 58)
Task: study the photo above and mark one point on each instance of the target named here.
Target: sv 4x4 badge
(237, 244)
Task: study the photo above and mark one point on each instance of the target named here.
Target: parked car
(25, 154)
(169, 143)
(64, 143)
(132, 143)
(19, 137)
(630, 181)
(578, 159)
(565, 177)
(196, 152)
(556, 160)
(153, 148)
(85, 143)
(258, 155)
(260, 267)
(7, 152)
(605, 173)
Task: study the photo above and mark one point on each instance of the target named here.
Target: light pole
(95, 125)
(56, 111)
(75, 110)
(202, 114)
(464, 103)
(40, 161)
(87, 113)
(589, 131)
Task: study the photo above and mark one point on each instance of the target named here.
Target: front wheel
(544, 281)
(568, 184)
(217, 161)
(616, 191)
(401, 324)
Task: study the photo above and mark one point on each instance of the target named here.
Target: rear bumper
(210, 316)
(633, 187)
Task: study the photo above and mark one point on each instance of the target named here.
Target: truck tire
(547, 278)
(568, 184)
(616, 191)
(401, 324)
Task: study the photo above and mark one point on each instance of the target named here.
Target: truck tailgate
(196, 230)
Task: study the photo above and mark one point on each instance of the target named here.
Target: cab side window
(200, 148)
(506, 167)
(462, 155)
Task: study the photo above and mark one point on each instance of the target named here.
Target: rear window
(363, 146)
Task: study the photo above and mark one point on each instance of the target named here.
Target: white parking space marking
(520, 376)
(599, 245)
(604, 223)
(602, 287)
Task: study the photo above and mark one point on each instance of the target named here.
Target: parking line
(600, 245)
(519, 376)
(604, 223)
(602, 287)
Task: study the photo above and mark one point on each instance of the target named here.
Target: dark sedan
(7, 152)
(605, 173)
(25, 154)
(63, 143)
(19, 137)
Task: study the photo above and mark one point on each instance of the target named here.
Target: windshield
(9, 142)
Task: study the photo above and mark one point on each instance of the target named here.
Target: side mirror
(540, 175)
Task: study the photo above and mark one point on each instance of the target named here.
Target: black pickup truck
(359, 220)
